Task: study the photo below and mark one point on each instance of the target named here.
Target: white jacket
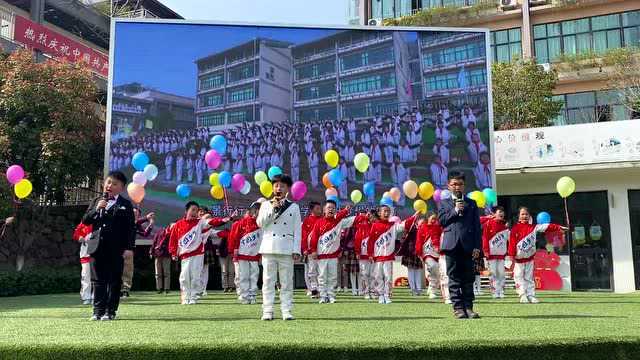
(280, 235)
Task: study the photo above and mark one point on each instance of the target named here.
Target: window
(366, 58)
(369, 108)
(211, 119)
(591, 106)
(210, 100)
(597, 34)
(241, 73)
(368, 83)
(243, 94)
(455, 54)
(475, 77)
(211, 81)
(245, 115)
(506, 45)
(317, 114)
(316, 70)
(317, 91)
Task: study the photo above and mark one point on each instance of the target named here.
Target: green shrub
(40, 281)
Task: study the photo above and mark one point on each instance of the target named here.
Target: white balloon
(246, 188)
(139, 178)
(150, 172)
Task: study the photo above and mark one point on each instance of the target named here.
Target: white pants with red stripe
(444, 279)
(190, 272)
(383, 273)
(204, 278)
(272, 266)
(523, 276)
(432, 272)
(236, 277)
(497, 275)
(366, 277)
(248, 272)
(311, 274)
(86, 291)
(327, 277)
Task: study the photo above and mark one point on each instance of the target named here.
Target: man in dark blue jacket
(461, 244)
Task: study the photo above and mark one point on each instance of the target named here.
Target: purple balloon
(237, 182)
(298, 190)
(15, 173)
(213, 159)
(436, 195)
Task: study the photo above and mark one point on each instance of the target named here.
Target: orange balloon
(395, 194)
(325, 181)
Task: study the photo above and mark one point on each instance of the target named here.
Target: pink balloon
(394, 219)
(298, 190)
(15, 173)
(237, 181)
(213, 159)
(436, 195)
(331, 192)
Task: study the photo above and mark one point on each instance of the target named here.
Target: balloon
(136, 192)
(246, 188)
(214, 179)
(565, 186)
(386, 194)
(150, 172)
(332, 158)
(420, 205)
(386, 201)
(330, 191)
(139, 178)
(478, 197)
(260, 177)
(237, 182)
(436, 195)
(335, 176)
(266, 188)
(491, 196)
(356, 196)
(139, 161)
(369, 188)
(395, 194)
(219, 144)
(445, 194)
(325, 181)
(213, 159)
(335, 199)
(183, 190)
(217, 192)
(225, 179)
(426, 190)
(15, 173)
(361, 161)
(274, 171)
(394, 219)
(543, 218)
(410, 189)
(23, 188)
(298, 190)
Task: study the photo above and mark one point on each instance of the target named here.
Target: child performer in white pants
(311, 265)
(522, 248)
(186, 243)
(325, 246)
(428, 248)
(383, 236)
(245, 235)
(362, 224)
(86, 288)
(495, 236)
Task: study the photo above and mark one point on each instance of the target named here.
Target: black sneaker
(159, 292)
(315, 294)
(166, 292)
(460, 314)
(472, 315)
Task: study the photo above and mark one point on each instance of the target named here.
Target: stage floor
(563, 326)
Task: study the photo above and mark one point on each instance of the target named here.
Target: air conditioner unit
(375, 22)
(538, 2)
(546, 67)
(508, 4)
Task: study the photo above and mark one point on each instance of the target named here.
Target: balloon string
(226, 201)
(566, 212)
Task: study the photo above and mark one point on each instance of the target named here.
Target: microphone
(105, 196)
(459, 199)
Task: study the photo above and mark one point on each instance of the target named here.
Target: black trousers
(107, 283)
(460, 270)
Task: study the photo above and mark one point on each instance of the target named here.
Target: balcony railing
(315, 79)
(367, 68)
(139, 13)
(365, 43)
(369, 94)
(315, 56)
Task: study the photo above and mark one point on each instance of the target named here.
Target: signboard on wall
(568, 145)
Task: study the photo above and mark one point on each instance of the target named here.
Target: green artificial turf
(563, 326)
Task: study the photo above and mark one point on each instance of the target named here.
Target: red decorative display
(36, 36)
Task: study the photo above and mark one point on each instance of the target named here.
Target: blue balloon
(139, 161)
(386, 201)
(183, 190)
(273, 172)
(225, 179)
(335, 176)
(334, 198)
(543, 218)
(369, 188)
(219, 144)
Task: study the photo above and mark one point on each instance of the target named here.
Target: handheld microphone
(459, 200)
(105, 197)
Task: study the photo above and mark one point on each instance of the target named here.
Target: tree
(625, 76)
(522, 95)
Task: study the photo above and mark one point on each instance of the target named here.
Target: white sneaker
(239, 298)
(287, 316)
(323, 300)
(106, 318)
(433, 296)
(86, 302)
(501, 296)
(367, 297)
(267, 316)
(355, 292)
(332, 300)
(387, 300)
(204, 293)
(524, 300)
(448, 302)
(95, 318)
(193, 301)
(308, 293)
(252, 301)
(245, 302)
(533, 300)
(381, 300)
(495, 295)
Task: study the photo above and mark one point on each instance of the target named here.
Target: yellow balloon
(332, 158)
(266, 188)
(386, 195)
(420, 205)
(361, 162)
(410, 189)
(565, 186)
(260, 177)
(217, 192)
(136, 192)
(23, 188)
(426, 190)
(395, 194)
(356, 196)
(214, 179)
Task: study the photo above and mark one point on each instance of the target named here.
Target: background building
(151, 9)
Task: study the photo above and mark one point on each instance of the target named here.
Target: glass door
(634, 217)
